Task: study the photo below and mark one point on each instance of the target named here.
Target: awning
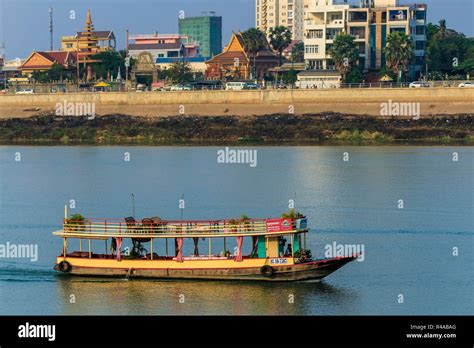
(102, 84)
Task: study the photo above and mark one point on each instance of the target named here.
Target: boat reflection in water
(186, 297)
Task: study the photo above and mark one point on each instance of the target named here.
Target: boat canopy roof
(158, 228)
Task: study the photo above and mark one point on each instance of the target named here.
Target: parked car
(25, 91)
(419, 84)
(140, 88)
(251, 85)
(235, 86)
(181, 88)
(467, 84)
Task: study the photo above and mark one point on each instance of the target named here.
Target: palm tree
(398, 52)
(280, 38)
(254, 41)
(344, 53)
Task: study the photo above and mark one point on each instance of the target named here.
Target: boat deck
(150, 228)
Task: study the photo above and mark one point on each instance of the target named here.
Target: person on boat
(113, 246)
(289, 250)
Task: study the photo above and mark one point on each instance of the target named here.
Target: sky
(24, 23)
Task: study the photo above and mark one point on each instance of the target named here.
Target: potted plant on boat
(245, 221)
(75, 223)
(302, 255)
(299, 220)
(233, 225)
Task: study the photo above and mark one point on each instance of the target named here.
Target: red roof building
(234, 63)
(44, 60)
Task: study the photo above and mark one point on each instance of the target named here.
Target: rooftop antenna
(51, 27)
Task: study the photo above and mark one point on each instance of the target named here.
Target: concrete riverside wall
(357, 101)
(245, 97)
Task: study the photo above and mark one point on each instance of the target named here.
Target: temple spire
(89, 26)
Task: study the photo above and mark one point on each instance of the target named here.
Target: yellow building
(105, 41)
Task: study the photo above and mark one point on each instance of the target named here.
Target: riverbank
(319, 128)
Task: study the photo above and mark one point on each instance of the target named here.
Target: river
(410, 207)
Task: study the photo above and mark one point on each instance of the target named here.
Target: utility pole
(51, 27)
(133, 205)
(127, 59)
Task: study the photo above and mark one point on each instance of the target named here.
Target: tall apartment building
(205, 31)
(370, 23)
(272, 13)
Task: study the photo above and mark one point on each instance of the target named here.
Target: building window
(420, 15)
(315, 34)
(332, 33)
(419, 45)
(315, 64)
(397, 29)
(420, 30)
(311, 48)
(419, 60)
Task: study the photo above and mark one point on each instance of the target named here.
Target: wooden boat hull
(252, 270)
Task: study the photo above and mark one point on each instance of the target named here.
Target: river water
(410, 207)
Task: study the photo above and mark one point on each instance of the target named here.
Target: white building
(370, 23)
(324, 20)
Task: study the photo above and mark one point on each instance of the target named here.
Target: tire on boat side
(267, 271)
(64, 266)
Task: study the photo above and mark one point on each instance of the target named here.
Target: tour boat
(267, 261)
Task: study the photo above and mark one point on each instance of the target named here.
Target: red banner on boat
(278, 225)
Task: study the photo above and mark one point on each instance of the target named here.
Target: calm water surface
(408, 251)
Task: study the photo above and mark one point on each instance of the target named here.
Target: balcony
(358, 33)
(358, 17)
(397, 15)
(335, 23)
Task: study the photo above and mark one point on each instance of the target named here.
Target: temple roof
(99, 34)
(64, 58)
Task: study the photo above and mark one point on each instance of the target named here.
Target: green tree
(109, 63)
(355, 75)
(344, 54)
(467, 65)
(180, 72)
(289, 77)
(254, 41)
(398, 52)
(448, 52)
(55, 73)
(297, 53)
(280, 38)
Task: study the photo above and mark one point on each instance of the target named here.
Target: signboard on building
(278, 225)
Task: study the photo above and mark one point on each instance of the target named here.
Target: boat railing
(149, 228)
